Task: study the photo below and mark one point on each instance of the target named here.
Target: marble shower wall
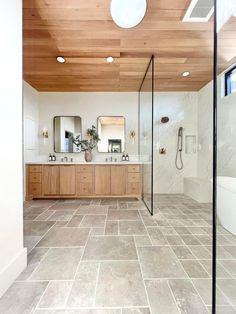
(226, 131)
(181, 108)
(205, 125)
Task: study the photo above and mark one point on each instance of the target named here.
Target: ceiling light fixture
(128, 13)
(110, 59)
(184, 74)
(61, 59)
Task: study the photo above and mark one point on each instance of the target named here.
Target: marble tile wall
(181, 108)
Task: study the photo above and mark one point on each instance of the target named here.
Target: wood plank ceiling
(83, 32)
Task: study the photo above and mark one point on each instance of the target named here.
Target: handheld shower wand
(178, 160)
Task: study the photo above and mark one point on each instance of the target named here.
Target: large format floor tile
(84, 286)
(160, 297)
(101, 256)
(227, 286)
(120, 284)
(110, 248)
(58, 264)
(204, 288)
(22, 297)
(37, 228)
(95, 221)
(55, 295)
(117, 214)
(186, 296)
(34, 259)
(159, 262)
(65, 237)
(92, 210)
(132, 228)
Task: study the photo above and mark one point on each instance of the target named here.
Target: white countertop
(84, 163)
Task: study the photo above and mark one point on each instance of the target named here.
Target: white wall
(181, 108)
(31, 122)
(89, 106)
(13, 255)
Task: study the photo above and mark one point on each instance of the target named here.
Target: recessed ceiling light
(128, 13)
(61, 59)
(110, 59)
(184, 74)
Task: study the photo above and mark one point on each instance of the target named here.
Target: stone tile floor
(111, 257)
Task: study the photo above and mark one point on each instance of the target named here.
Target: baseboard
(9, 274)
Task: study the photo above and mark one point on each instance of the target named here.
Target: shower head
(165, 119)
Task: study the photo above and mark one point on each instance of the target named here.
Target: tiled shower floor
(111, 257)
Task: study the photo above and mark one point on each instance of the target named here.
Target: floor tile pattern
(109, 256)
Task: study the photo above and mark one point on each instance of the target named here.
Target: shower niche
(190, 144)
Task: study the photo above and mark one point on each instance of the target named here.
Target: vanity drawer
(134, 168)
(35, 168)
(85, 189)
(85, 169)
(133, 189)
(35, 177)
(35, 189)
(134, 177)
(85, 177)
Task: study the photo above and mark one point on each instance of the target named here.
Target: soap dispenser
(123, 157)
(50, 157)
(127, 157)
(54, 158)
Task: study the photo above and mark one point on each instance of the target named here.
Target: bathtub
(226, 203)
(198, 189)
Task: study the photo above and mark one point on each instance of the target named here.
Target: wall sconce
(45, 134)
(132, 136)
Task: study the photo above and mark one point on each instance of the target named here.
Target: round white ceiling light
(61, 59)
(110, 59)
(128, 13)
(184, 74)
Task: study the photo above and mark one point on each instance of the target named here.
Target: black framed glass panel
(146, 97)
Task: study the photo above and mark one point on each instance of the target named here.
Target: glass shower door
(146, 134)
(225, 170)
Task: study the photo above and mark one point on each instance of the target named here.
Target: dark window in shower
(230, 81)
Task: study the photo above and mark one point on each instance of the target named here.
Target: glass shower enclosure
(224, 240)
(146, 107)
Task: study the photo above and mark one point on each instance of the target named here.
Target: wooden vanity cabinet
(34, 181)
(118, 180)
(67, 180)
(85, 180)
(102, 180)
(74, 181)
(50, 181)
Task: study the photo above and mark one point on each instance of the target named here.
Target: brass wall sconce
(132, 136)
(45, 134)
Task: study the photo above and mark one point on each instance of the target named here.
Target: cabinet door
(118, 181)
(50, 180)
(102, 180)
(67, 180)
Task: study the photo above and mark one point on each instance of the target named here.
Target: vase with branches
(88, 144)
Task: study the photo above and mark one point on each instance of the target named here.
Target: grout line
(175, 301)
(96, 285)
(40, 299)
(77, 268)
(139, 263)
